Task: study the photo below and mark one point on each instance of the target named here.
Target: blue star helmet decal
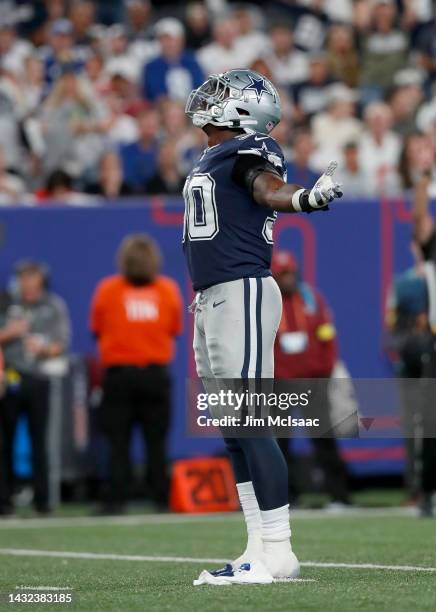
(258, 86)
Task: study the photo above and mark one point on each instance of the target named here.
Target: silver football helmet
(238, 99)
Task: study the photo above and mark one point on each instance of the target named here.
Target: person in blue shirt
(298, 169)
(175, 72)
(139, 158)
(61, 51)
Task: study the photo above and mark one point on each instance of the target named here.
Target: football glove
(324, 191)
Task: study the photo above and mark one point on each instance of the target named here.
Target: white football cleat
(281, 561)
(213, 578)
(281, 569)
(247, 573)
(254, 550)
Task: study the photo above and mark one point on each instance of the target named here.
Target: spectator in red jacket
(306, 347)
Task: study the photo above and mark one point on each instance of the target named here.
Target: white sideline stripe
(26, 552)
(63, 554)
(292, 580)
(397, 568)
(175, 519)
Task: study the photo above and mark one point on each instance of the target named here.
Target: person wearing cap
(60, 50)
(306, 347)
(34, 340)
(175, 71)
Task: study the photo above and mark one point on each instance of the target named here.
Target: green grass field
(381, 537)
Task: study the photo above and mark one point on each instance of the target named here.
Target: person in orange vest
(306, 347)
(136, 316)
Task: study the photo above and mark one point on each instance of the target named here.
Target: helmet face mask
(208, 100)
(237, 99)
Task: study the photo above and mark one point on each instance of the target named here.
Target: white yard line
(396, 568)
(25, 552)
(30, 552)
(122, 521)
(175, 519)
(295, 580)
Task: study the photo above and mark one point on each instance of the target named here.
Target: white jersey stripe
(253, 328)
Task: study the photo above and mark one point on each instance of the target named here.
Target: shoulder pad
(264, 146)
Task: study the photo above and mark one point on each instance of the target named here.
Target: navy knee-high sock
(239, 462)
(261, 461)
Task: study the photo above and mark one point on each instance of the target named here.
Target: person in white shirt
(340, 10)
(336, 126)
(288, 65)
(11, 186)
(379, 150)
(350, 174)
(224, 52)
(12, 110)
(13, 50)
(252, 43)
(32, 84)
(118, 126)
(120, 53)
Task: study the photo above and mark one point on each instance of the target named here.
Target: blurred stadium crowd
(92, 93)
(92, 97)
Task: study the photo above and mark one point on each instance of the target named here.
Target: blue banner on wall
(351, 254)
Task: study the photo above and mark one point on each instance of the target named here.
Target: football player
(232, 197)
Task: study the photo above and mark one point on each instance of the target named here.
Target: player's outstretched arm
(422, 220)
(270, 190)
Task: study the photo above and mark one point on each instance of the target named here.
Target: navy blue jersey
(227, 235)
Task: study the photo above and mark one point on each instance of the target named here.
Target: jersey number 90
(201, 216)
